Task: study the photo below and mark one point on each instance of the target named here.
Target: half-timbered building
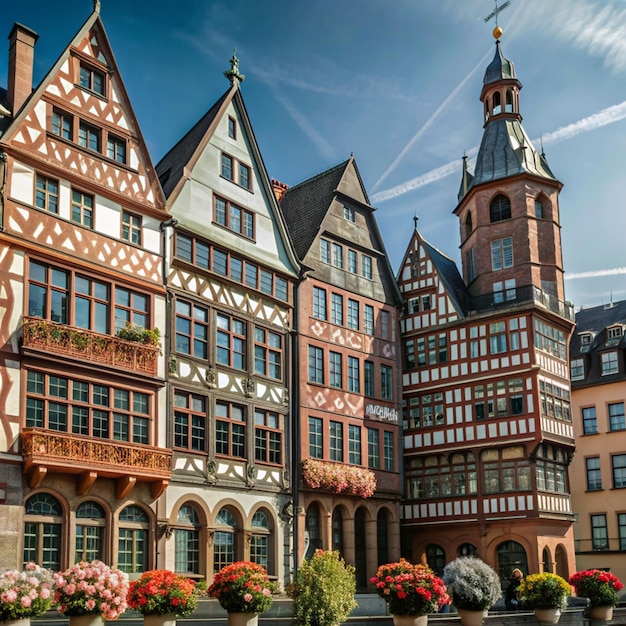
(348, 397)
(231, 280)
(487, 427)
(82, 445)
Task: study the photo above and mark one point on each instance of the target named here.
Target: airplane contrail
(596, 273)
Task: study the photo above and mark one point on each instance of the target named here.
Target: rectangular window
(373, 448)
(549, 339)
(47, 194)
(335, 370)
(590, 422)
(609, 363)
(131, 228)
(244, 176)
(366, 266)
(368, 319)
(116, 149)
(268, 352)
(354, 375)
(618, 463)
(599, 533)
(89, 136)
(230, 430)
(409, 354)
(502, 253)
(577, 369)
(316, 365)
(386, 382)
(190, 421)
(336, 314)
(616, 416)
(353, 314)
(336, 441)
(316, 437)
(62, 124)
(385, 329)
(192, 329)
(319, 303)
(236, 219)
(368, 379)
(388, 451)
(471, 266)
(232, 128)
(268, 442)
(325, 251)
(354, 444)
(621, 531)
(337, 255)
(92, 79)
(227, 167)
(352, 261)
(82, 208)
(349, 213)
(594, 477)
(231, 341)
(497, 337)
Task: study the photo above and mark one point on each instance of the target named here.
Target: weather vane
(497, 31)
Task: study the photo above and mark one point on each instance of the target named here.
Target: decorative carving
(211, 376)
(250, 481)
(249, 387)
(210, 536)
(211, 471)
(285, 396)
(247, 537)
(165, 530)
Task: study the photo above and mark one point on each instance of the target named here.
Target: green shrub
(323, 590)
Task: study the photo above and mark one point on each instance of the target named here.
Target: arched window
(436, 558)
(547, 560)
(468, 225)
(500, 209)
(486, 109)
(90, 532)
(43, 523)
(508, 107)
(511, 555)
(224, 542)
(337, 530)
(187, 541)
(497, 104)
(312, 532)
(467, 549)
(562, 565)
(132, 542)
(382, 536)
(261, 544)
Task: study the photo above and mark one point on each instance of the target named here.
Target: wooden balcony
(46, 451)
(85, 345)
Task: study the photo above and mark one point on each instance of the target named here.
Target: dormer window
(349, 213)
(585, 342)
(615, 332)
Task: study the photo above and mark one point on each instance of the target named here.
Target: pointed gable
(217, 186)
(80, 118)
(432, 287)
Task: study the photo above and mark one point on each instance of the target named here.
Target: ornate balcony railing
(39, 334)
(46, 451)
(522, 295)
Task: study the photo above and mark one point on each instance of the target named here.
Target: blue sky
(396, 83)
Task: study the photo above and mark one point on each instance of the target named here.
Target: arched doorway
(312, 532)
(562, 565)
(511, 555)
(360, 549)
(436, 557)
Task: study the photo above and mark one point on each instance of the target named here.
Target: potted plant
(244, 590)
(323, 590)
(89, 592)
(474, 587)
(546, 594)
(410, 591)
(161, 595)
(25, 594)
(601, 588)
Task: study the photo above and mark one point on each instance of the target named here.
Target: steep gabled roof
(305, 206)
(170, 168)
(94, 22)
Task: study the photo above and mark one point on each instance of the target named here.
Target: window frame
(502, 254)
(190, 421)
(225, 216)
(46, 197)
(131, 227)
(83, 208)
(91, 73)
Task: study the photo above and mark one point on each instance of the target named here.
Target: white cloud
(616, 271)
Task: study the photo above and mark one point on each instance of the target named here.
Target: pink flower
(247, 597)
(26, 601)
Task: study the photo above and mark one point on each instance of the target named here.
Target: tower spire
(233, 74)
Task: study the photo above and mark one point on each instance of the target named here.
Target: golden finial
(497, 32)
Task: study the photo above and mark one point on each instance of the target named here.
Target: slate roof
(449, 274)
(305, 205)
(170, 168)
(500, 68)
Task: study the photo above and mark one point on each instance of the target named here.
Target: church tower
(487, 422)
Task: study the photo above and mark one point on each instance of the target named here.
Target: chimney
(21, 56)
(279, 189)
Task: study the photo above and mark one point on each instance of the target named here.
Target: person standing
(511, 596)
